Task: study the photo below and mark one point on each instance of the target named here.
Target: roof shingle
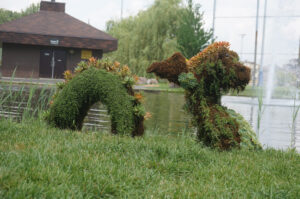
(55, 24)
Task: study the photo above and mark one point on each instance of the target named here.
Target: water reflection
(168, 114)
(97, 118)
(276, 122)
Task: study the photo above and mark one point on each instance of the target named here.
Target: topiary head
(219, 65)
(170, 68)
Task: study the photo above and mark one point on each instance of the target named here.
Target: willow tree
(7, 15)
(148, 37)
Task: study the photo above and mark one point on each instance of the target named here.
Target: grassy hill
(37, 161)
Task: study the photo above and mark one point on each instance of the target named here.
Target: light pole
(255, 45)
(214, 18)
(121, 9)
(260, 75)
(242, 44)
(299, 53)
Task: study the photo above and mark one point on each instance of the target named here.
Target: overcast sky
(281, 38)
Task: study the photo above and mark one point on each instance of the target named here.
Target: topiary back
(91, 83)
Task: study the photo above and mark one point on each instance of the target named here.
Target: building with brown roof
(47, 43)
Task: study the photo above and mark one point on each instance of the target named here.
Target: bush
(95, 81)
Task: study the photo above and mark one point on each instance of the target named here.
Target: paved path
(42, 81)
(49, 81)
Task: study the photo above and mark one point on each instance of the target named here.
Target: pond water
(168, 116)
(276, 117)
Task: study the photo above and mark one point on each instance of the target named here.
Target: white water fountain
(278, 126)
(270, 81)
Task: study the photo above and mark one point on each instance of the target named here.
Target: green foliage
(187, 80)
(296, 109)
(147, 37)
(215, 128)
(139, 110)
(260, 111)
(291, 71)
(205, 77)
(7, 15)
(248, 136)
(154, 34)
(74, 100)
(37, 161)
(93, 81)
(218, 70)
(22, 102)
(191, 35)
(289, 74)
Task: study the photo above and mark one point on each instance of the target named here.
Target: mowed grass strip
(37, 161)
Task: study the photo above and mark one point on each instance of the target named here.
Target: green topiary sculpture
(95, 81)
(205, 77)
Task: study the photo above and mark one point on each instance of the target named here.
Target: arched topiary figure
(95, 81)
(205, 77)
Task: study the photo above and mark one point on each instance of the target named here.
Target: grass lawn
(41, 162)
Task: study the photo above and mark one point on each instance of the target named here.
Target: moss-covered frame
(205, 77)
(95, 81)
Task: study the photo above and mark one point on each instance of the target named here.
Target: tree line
(166, 27)
(8, 15)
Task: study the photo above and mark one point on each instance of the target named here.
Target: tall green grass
(37, 161)
(260, 111)
(29, 100)
(295, 112)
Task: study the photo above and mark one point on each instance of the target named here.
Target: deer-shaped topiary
(205, 77)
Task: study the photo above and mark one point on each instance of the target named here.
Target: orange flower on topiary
(139, 97)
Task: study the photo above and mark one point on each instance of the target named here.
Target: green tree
(156, 33)
(7, 15)
(147, 37)
(191, 36)
(289, 74)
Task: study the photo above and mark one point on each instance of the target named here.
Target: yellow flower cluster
(114, 67)
(68, 75)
